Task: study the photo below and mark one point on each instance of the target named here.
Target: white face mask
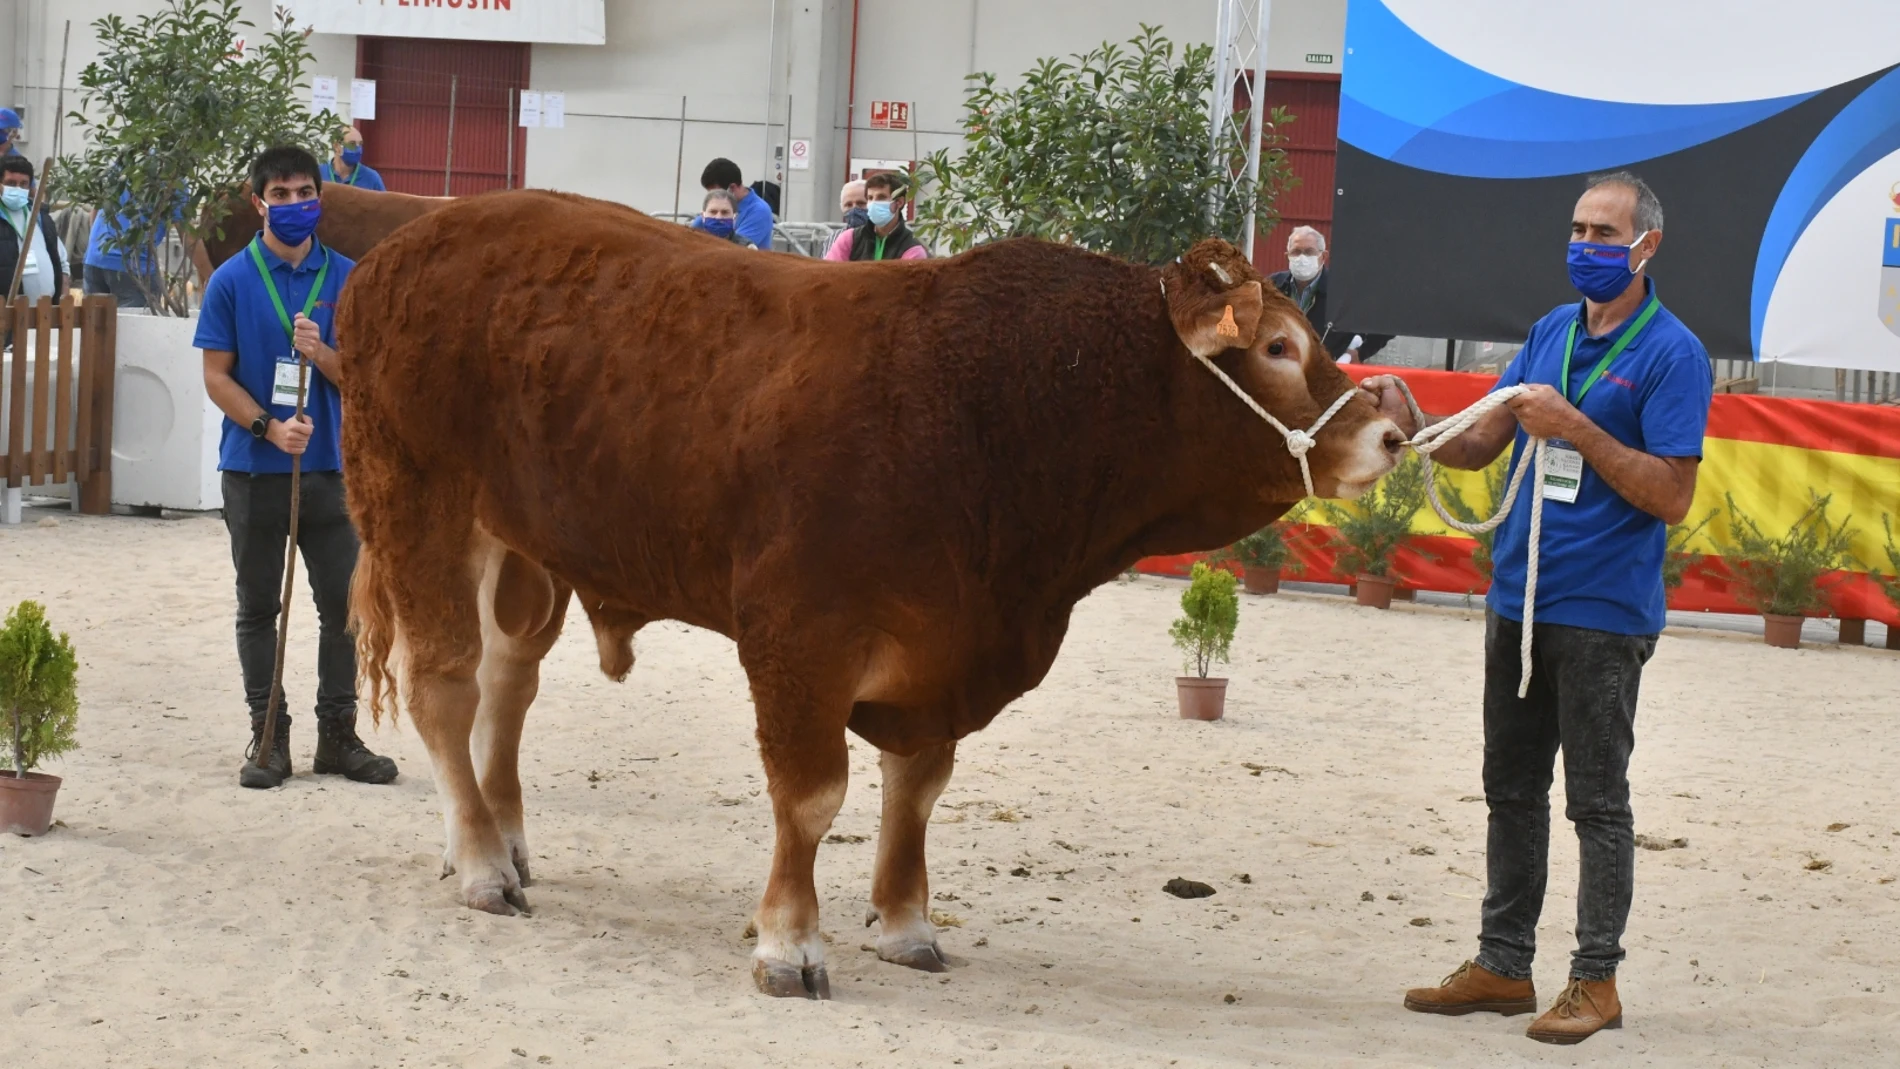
(1304, 268)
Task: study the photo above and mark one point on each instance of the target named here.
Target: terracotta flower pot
(26, 805)
(1260, 580)
(1375, 591)
(1201, 699)
(1782, 632)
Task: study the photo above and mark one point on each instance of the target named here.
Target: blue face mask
(293, 224)
(856, 217)
(352, 154)
(719, 228)
(880, 212)
(1602, 272)
(16, 199)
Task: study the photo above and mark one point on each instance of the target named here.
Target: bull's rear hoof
(926, 958)
(779, 980)
(497, 901)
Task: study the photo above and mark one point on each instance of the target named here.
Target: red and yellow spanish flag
(1768, 452)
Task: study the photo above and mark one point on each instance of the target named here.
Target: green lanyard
(290, 329)
(355, 173)
(25, 226)
(879, 254)
(1570, 346)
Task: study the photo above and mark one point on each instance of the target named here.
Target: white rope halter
(1427, 441)
(1299, 443)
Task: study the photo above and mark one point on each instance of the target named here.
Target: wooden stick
(269, 738)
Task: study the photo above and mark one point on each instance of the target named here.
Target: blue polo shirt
(107, 226)
(238, 317)
(362, 176)
(1600, 562)
(755, 221)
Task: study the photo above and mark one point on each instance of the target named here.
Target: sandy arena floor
(177, 920)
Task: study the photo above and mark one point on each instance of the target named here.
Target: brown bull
(354, 220)
(889, 484)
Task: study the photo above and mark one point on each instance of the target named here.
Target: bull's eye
(1276, 349)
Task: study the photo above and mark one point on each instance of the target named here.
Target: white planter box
(164, 427)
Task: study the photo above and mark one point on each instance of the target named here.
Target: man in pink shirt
(885, 237)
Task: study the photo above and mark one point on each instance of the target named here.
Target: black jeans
(1583, 699)
(257, 514)
(120, 284)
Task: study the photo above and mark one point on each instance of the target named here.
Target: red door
(444, 114)
(1312, 148)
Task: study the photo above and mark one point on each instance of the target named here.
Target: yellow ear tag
(1228, 328)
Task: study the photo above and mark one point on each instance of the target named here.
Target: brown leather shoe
(1472, 988)
(1585, 1008)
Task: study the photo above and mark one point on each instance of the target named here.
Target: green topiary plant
(1676, 555)
(1454, 501)
(1371, 530)
(1785, 575)
(1890, 583)
(174, 116)
(1266, 548)
(1210, 610)
(1108, 150)
(38, 688)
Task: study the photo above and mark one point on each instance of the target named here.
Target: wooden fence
(56, 399)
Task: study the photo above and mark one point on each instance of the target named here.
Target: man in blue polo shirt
(754, 216)
(346, 166)
(1621, 388)
(267, 325)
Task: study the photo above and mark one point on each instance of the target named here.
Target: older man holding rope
(1618, 390)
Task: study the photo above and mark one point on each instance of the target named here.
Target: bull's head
(1261, 343)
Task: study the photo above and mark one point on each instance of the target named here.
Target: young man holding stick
(267, 331)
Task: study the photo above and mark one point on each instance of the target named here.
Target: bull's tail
(373, 621)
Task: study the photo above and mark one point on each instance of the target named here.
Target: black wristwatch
(260, 426)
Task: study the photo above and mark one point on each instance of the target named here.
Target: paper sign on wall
(530, 108)
(801, 155)
(554, 110)
(322, 94)
(362, 99)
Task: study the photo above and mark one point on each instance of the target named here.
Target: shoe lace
(1456, 975)
(1571, 1002)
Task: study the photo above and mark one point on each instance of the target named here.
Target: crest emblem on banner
(1890, 263)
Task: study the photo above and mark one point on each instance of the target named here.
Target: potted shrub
(1205, 631)
(1785, 577)
(1371, 530)
(1890, 583)
(1264, 556)
(1676, 555)
(1453, 499)
(39, 699)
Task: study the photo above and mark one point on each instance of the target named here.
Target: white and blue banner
(1771, 132)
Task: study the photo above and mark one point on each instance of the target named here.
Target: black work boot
(276, 769)
(340, 752)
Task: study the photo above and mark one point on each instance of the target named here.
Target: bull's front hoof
(499, 901)
(779, 980)
(925, 957)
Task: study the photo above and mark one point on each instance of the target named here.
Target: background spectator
(45, 271)
(719, 217)
(755, 217)
(1305, 282)
(852, 203)
(884, 236)
(346, 166)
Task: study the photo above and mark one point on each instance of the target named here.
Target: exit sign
(1319, 57)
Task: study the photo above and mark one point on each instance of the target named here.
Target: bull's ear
(1213, 319)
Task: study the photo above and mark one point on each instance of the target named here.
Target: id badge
(1563, 473)
(283, 389)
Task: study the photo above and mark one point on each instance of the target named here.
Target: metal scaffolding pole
(1240, 52)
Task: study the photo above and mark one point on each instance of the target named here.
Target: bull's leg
(801, 738)
(443, 639)
(522, 612)
(900, 889)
